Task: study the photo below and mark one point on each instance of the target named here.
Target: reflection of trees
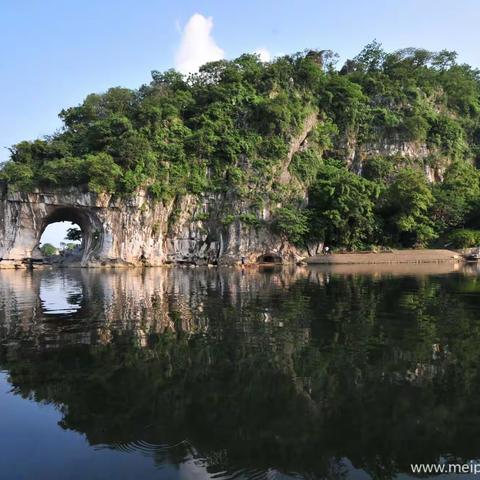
(383, 371)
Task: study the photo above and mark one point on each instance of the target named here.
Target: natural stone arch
(87, 220)
(117, 231)
(133, 230)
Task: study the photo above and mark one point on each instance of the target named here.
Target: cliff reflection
(295, 370)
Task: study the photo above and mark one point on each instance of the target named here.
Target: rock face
(134, 231)
(355, 155)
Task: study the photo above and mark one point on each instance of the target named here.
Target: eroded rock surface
(133, 231)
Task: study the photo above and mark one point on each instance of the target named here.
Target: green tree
(69, 246)
(371, 58)
(405, 209)
(48, 250)
(101, 172)
(457, 197)
(74, 234)
(344, 101)
(291, 222)
(379, 169)
(464, 238)
(342, 207)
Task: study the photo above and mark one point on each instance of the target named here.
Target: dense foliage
(380, 123)
(48, 250)
(74, 234)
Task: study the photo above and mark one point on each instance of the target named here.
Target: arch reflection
(60, 293)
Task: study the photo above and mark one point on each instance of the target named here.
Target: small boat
(474, 255)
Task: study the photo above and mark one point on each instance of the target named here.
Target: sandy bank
(395, 256)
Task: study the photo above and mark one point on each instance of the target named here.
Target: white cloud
(264, 54)
(197, 45)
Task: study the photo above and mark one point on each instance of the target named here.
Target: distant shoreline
(394, 256)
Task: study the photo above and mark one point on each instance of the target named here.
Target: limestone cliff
(133, 231)
(403, 151)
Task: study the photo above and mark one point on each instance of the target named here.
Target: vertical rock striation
(133, 231)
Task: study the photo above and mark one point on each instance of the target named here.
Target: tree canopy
(231, 126)
(48, 250)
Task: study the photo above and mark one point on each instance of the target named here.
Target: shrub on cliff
(291, 223)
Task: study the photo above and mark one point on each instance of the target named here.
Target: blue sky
(54, 52)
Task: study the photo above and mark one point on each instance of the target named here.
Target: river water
(349, 372)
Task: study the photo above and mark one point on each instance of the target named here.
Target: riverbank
(393, 256)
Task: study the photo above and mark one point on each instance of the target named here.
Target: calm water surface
(206, 373)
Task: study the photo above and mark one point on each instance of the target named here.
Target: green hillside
(379, 151)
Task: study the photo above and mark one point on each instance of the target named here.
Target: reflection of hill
(137, 302)
(284, 369)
